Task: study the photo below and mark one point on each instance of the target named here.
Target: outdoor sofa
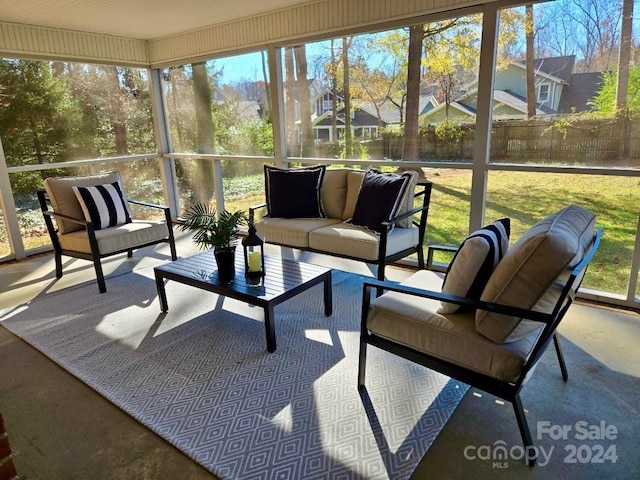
(370, 216)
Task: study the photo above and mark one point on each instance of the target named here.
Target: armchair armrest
(51, 213)
(147, 204)
(477, 304)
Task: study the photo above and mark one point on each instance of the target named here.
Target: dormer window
(543, 92)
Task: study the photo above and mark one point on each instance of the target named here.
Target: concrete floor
(61, 429)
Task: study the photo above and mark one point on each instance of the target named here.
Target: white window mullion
(8, 205)
(482, 141)
(163, 142)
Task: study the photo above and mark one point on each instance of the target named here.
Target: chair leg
(362, 363)
(99, 274)
(524, 431)
(58, 258)
(172, 245)
(563, 365)
(171, 238)
(420, 252)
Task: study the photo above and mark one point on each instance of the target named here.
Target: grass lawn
(528, 197)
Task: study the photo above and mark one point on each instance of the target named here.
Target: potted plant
(218, 232)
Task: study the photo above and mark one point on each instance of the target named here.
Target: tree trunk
(267, 112)
(410, 147)
(293, 138)
(334, 96)
(348, 134)
(203, 184)
(624, 56)
(529, 60)
(117, 112)
(308, 146)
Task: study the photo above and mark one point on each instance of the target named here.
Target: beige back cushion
(334, 192)
(407, 201)
(64, 200)
(524, 276)
(354, 182)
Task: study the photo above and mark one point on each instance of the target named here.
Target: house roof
(580, 91)
(559, 67)
(517, 102)
(556, 68)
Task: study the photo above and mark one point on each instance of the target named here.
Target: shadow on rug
(200, 376)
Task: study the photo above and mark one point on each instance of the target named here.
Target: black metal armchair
(75, 236)
(405, 321)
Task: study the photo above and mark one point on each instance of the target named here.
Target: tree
(605, 100)
(624, 57)
(290, 96)
(411, 134)
(308, 146)
(529, 62)
(36, 115)
(451, 51)
(346, 83)
(204, 121)
(587, 28)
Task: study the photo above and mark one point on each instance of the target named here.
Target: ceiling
(140, 19)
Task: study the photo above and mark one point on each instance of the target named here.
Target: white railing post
(8, 205)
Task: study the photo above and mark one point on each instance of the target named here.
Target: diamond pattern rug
(200, 376)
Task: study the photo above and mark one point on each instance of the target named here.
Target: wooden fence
(588, 142)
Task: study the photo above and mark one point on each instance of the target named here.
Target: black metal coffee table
(284, 279)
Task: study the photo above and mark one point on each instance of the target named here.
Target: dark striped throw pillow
(103, 205)
(475, 260)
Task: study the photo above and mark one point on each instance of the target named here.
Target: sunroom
(190, 100)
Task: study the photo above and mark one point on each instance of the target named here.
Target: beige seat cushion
(415, 323)
(334, 192)
(351, 240)
(524, 277)
(114, 239)
(63, 199)
(293, 232)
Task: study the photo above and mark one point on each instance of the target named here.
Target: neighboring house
(366, 119)
(558, 90)
(245, 110)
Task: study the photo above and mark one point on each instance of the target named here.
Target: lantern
(253, 248)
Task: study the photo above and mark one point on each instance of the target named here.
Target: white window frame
(539, 95)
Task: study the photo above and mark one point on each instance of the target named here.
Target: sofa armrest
(252, 210)
(431, 249)
(370, 284)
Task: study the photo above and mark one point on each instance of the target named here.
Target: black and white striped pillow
(103, 205)
(475, 260)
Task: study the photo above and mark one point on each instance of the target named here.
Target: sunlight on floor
(322, 336)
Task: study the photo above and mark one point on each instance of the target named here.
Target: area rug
(200, 376)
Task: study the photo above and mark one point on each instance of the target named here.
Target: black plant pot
(226, 260)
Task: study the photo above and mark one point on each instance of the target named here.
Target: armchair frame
(508, 391)
(95, 256)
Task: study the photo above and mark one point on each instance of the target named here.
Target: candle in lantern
(255, 264)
